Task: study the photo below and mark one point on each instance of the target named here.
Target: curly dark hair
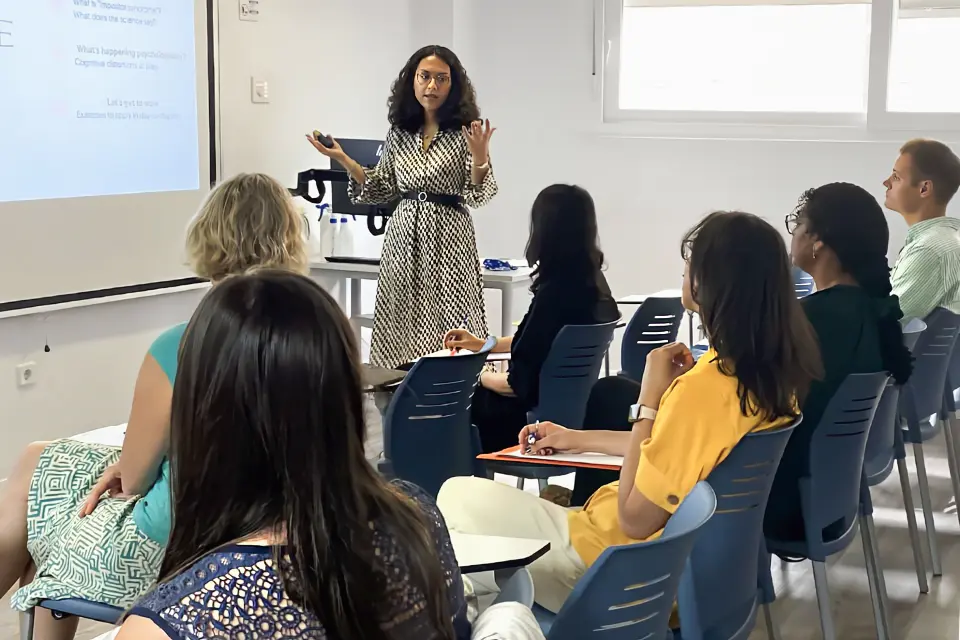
(849, 220)
(460, 107)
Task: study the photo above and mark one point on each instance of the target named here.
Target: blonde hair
(247, 222)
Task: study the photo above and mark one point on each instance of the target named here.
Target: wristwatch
(639, 412)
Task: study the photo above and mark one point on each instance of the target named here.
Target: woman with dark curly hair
(840, 237)
(436, 159)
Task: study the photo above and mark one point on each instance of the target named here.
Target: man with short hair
(927, 273)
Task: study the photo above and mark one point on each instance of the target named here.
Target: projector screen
(105, 130)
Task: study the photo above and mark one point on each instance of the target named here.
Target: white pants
(485, 507)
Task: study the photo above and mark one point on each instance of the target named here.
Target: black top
(845, 320)
(556, 303)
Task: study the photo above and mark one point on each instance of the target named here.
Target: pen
(463, 325)
(532, 437)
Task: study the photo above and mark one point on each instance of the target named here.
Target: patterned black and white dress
(430, 276)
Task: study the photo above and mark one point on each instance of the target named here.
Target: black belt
(437, 198)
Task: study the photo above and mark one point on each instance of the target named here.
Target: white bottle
(330, 236)
(343, 242)
(318, 231)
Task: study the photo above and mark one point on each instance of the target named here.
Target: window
(924, 57)
(847, 63)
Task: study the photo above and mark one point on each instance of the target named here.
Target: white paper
(491, 357)
(575, 458)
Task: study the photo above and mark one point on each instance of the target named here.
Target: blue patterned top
(152, 512)
(236, 592)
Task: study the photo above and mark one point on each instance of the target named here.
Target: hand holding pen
(547, 438)
(459, 339)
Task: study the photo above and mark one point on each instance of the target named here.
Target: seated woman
(53, 524)
(688, 417)
(840, 237)
(281, 528)
(568, 288)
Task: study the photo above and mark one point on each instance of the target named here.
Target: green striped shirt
(927, 273)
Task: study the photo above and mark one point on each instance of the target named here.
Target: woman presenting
(436, 159)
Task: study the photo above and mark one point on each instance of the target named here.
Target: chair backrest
(718, 593)
(426, 431)
(830, 495)
(656, 323)
(951, 396)
(629, 591)
(803, 283)
(570, 371)
(882, 439)
(922, 396)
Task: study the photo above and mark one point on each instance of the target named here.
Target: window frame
(877, 119)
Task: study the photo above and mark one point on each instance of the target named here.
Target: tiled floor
(935, 616)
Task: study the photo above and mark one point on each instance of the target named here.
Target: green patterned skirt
(103, 557)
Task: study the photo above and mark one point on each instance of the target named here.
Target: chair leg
(606, 363)
(26, 624)
(911, 510)
(948, 436)
(875, 579)
(881, 579)
(927, 507)
(773, 631)
(542, 482)
(520, 483)
(823, 601)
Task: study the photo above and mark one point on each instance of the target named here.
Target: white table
(507, 282)
(476, 553)
(640, 298)
(110, 436)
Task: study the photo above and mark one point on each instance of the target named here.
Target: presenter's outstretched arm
(335, 152)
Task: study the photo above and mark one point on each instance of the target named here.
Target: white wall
(330, 65)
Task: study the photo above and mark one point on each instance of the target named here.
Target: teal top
(152, 512)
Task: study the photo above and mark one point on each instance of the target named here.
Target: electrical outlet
(27, 374)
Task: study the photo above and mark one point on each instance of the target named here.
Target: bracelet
(485, 165)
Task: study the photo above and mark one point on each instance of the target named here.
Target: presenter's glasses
(424, 78)
(792, 222)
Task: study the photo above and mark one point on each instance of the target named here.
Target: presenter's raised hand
(478, 136)
(333, 151)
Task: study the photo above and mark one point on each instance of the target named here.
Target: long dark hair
(460, 107)
(563, 241)
(739, 276)
(849, 220)
(267, 436)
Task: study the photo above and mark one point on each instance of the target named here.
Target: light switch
(259, 91)
(250, 10)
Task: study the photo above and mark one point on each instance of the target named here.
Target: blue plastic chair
(831, 495)
(656, 323)
(72, 607)
(803, 283)
(427, 435)
(718, 595)
(571, 369)
(922, 399)
(885, 447)
(629, 591)
(951, 404)
(517, 588)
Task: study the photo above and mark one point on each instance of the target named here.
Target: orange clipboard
(553, 461)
